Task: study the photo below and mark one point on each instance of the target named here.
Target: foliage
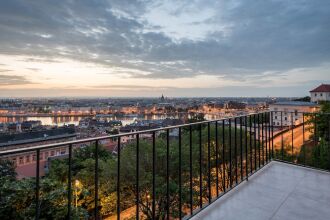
(303, 99)
(7, 170)
(317, 152)
(16, 198)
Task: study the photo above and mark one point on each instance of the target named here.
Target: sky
(145, 48)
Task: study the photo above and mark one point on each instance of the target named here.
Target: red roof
(322, 88)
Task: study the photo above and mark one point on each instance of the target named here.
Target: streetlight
(148, 198)
(77, 184)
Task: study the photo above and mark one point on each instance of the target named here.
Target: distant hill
(303, 99)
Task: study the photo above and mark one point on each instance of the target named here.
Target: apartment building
(320, 93)
(291, 112)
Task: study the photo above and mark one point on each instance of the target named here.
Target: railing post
(303, 130)
(180, 178)
(209, 162)
(241, 145)
(137, 197)
(235, 151)
(251, 153)
(266, 135)
(282, 140)
(259, 141)
(254, 142)
(70, 181)
(118, 179)
(230, 156)
(154, 175)
(217, 158)
(315, 137)
(262, 139)
(223, 156)
(329, 144)
(292, 130)
(96, 195)
(168, 172)
(37, 184)
(270, 136)
(190, 170)
(246, 149)
(200, 168)
(272, 130)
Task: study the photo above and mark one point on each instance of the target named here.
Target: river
(65, 120)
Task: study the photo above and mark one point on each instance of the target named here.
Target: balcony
(239, 168)
(277, 191)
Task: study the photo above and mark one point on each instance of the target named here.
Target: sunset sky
(149, 47)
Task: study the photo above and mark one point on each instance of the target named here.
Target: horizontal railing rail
(79, 141)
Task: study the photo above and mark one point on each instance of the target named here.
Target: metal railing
(191, 165)
(302, 136)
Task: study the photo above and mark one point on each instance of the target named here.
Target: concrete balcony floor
(277, 191)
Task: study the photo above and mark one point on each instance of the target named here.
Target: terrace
(277, 191)
(234, 168)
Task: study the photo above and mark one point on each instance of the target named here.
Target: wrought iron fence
(167, 173)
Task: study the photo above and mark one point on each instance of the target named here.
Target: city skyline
(146, 48)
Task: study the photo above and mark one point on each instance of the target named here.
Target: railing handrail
(100, 138)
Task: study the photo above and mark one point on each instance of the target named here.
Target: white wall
(320, 96)
(289, 114)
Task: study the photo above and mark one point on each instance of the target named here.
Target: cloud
(236, 40)
(8, 80)
(131, 87)
(230, 91)
(5, 70)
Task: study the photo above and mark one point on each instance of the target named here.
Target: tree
(318, 124)
(83, 169)
(7, 170)
(16, 198)
(303, 99)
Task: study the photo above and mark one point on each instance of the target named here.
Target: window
(21, 160)
(27, 159)
(275, 117)
(295, 112)
(46, 155)
(52, 153)
(315, 94)
(321, 94)
(33, 157)
(285, 118)
(278, 123)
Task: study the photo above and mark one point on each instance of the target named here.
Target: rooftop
(26, 137)
(296, 103)
(322, 88)
(277, 191)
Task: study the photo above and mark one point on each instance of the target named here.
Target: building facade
(291, 112)
(320, 93)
